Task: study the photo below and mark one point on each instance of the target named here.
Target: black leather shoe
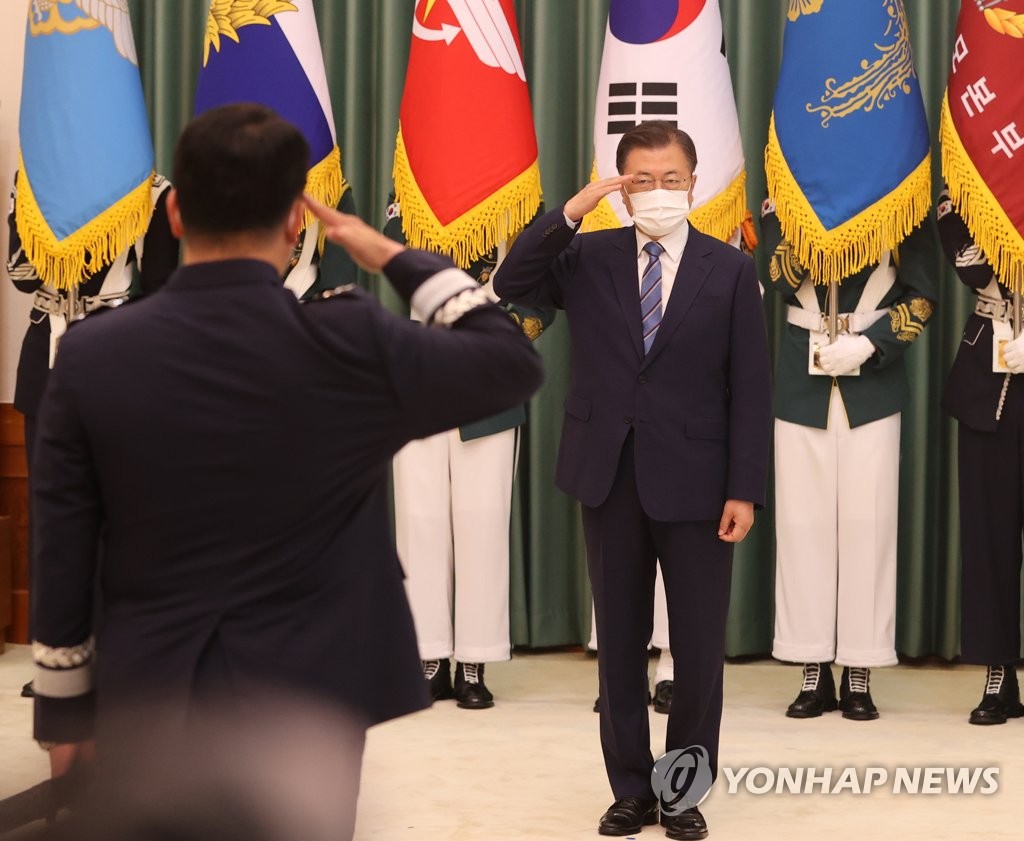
(28, 691)
(663, 696)
(470, 691)
(597, 703)
(817, 693)
(686, 825)
(628, 815)
(439, 676)
(1001, 699)
(855, 695)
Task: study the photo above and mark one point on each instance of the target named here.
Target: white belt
(1001, 310)
(849, 322)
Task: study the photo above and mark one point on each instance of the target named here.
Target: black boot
(439, 676)
(855, 695)
(470, 691)
(817, 693)
(1001, 699)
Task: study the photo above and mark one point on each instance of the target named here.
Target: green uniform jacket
(881, 389)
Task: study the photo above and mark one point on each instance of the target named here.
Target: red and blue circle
(648, 21)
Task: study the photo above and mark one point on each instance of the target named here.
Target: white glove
(845, 354)
(1013, 353)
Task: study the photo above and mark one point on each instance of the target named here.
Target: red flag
(466, 173)
(982, 131)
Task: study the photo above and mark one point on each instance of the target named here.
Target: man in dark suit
(234, 473)
(665, 441)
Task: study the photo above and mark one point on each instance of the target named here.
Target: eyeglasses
(644, 183)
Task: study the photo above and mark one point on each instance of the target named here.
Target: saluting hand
(590, 196)
(370, 249)
(737, 518)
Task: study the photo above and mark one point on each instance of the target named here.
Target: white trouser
(836, 509)
(453, 500)
(659, 637)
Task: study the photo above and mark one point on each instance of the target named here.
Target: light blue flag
(86, 166)
(848, 160)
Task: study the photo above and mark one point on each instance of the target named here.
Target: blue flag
(269, 53)
(848, 157)
(86, 165)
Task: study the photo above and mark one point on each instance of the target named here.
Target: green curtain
(366, 49)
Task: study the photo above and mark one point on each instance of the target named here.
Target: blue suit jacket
(699, 403)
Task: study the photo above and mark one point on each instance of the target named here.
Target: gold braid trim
(66, 263)
(858, 242)
(476, 232)
(988, 223)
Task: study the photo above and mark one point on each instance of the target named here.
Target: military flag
(982, 131)
(268, 51)
(848, 160)
(85, 170)
(664, 60)
(465, 184)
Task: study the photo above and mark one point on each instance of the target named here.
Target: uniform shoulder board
(337, 291)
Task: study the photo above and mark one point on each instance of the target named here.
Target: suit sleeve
(466, 361)
(67, 516)
(750, 397)
(539, 263)
(914, 304)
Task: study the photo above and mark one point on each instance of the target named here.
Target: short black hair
(239, 168)
(655, 134)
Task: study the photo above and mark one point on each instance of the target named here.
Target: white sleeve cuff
(434, 291)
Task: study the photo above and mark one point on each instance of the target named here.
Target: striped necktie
(650, 295)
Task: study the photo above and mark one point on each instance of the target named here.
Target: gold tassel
(65, 263)
(837, 253)
(326, 183)
(988, 223)
(476, 232)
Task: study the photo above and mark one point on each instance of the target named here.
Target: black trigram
(656, 101)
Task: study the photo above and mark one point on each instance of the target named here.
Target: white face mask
(660, 212)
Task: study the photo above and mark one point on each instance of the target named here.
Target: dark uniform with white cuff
(837, 448)
(245, 534)
(989, 405)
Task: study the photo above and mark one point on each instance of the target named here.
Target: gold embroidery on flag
(1006, 22)
(882, 80)
(228, 16)
(803, 7)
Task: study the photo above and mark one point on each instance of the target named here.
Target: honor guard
(987, 399)
(837, 449)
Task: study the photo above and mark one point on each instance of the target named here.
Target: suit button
(627, 419)
(642, 379)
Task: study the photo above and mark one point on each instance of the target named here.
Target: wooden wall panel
(14, 504)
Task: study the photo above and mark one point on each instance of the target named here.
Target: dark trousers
(623, 546)
(991, 525)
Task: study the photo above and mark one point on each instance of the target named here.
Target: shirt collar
(673, 243)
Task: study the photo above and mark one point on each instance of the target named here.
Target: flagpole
(1016, 308)
(833, 311)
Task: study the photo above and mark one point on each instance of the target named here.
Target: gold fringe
(858, 242)
(988, 223)
(326, 183)
(65, 263)
(721, 215)
(476, 232)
